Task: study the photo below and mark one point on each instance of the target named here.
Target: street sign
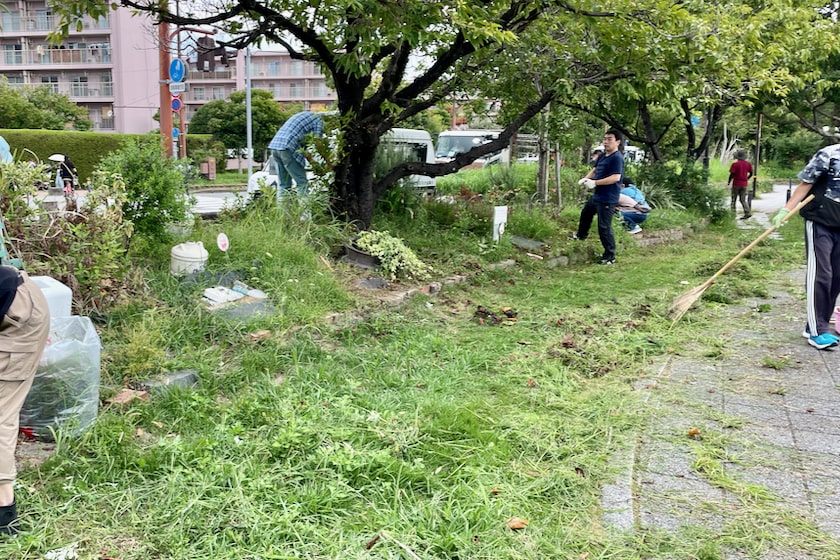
(177, 87)
(177, 70)
(176, 104)
(176, 132)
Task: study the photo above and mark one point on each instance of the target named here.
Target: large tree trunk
(353, 197)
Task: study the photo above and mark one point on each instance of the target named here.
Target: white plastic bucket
(59, 297)
(188, 257)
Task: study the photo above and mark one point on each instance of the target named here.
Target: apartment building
(110, 66)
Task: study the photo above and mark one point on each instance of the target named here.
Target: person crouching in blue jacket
(632, 206)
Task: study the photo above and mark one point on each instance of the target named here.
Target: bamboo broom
(685, 301)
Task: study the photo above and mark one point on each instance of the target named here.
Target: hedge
(86, 149)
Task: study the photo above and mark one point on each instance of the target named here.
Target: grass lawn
(423, 431)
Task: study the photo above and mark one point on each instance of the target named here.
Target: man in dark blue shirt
(605, 180)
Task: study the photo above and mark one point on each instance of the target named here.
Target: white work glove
(588, 183)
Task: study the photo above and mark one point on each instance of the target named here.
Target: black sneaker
(575, 237)
(9, 523)
(746, 216)
(606, 261)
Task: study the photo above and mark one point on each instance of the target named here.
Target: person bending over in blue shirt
(287, 149)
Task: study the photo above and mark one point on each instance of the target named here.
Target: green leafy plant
(155, 186)
(395, 257)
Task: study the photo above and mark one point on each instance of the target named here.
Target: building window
(10, 21)
(50, 82)
(296, 68)
(319, 89)
(16, 82)
(106, 85)
(198, 93)
(79, 87)
(44, 20)
(14, 54)
(274, 68)
(295, 90)
(274, 89)
(218, 93)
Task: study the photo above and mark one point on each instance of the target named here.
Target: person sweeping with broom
(820, 178)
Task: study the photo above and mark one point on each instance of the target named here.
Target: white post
(499, 221)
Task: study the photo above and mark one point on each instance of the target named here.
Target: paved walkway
(207, 202)
(745, 437)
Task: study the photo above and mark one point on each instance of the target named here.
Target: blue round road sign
(177, 69)
(176, 104)
(176, 132)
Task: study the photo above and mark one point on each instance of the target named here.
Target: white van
(453, 142)
(450, 143)
(412, 145)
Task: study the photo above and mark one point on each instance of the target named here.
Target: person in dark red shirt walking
(739, 177)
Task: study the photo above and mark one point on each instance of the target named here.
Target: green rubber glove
(780, 215)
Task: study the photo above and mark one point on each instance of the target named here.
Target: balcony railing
(228, 74)
(46, 56)
(17, 23)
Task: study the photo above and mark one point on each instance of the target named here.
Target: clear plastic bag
(65, 393)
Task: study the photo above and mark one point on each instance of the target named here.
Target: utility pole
(182, 137)
(165, 111)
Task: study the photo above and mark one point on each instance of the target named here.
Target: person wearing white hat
(66, 170)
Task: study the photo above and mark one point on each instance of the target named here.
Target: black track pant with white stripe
(822, 279)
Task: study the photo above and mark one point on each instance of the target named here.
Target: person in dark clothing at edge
(821, 177)
(605, 179)
(24, 326)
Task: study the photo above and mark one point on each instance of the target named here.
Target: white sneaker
(636, 229)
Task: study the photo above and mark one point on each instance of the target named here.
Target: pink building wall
(136, 72)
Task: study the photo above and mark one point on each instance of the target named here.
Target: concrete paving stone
(820, 464)
(770, 435)
(818, 442)
(815, 422)
(757, 413)
(769, 402)
(678, 487)
(788, 485)
(830, 522)
(691, 370)
(663, 457)
(677, 428)
(671, 503)
(817, 404)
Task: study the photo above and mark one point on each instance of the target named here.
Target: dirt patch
(31, 453)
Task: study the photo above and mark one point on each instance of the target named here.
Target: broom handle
(759, 239)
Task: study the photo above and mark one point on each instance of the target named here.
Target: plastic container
(188, 257)
(59, 297)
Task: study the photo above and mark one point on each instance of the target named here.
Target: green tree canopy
(388, 62)
(225, 120)
(40, 108)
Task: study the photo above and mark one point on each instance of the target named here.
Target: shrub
(83, 248)
(155, 186)
(687, 184)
